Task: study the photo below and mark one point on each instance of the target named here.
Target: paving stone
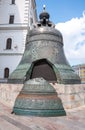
(5, 125)
(75, 120)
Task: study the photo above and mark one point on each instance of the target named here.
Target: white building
(16, 16)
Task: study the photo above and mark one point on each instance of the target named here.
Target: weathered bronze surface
(43, 61)
(38, 98)
(44, 53)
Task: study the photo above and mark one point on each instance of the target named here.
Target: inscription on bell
(43, 62)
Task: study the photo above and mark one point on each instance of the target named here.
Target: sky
(69, 18)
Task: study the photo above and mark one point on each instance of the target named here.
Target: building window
(6, 72)
(11, 19)
(13, 1)
(9, 43)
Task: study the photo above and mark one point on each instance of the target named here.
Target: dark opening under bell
(43, 62)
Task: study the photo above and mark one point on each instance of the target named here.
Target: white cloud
(73, 32)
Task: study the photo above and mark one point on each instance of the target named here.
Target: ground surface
(75, 120)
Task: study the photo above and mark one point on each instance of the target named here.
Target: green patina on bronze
(44, 42)
(38, 98)
(43, 62)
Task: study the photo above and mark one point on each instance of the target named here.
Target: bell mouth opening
(43, 69)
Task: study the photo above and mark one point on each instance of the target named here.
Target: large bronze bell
(38, 98)
(44, 56)
(43, 62)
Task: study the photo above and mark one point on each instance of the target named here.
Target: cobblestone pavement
(75, 120)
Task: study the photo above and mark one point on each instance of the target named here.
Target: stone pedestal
(72, 96)
(9, 92)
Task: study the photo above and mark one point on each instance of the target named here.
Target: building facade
(80, 70)
(16, 17)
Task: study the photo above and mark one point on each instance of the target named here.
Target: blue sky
(62, 10)
(69, 18)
